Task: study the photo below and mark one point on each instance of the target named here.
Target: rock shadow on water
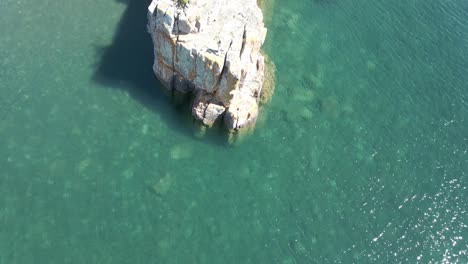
(127, 64)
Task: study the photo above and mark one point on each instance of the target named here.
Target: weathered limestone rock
(212, 48)
(206, 108)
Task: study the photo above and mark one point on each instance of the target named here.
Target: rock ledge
(211, 48)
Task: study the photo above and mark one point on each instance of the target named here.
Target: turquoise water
(361, 157)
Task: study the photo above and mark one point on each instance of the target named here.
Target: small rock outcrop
(211, 48)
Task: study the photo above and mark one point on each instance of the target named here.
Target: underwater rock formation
(211, 48)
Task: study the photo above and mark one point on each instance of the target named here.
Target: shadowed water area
(361, 156)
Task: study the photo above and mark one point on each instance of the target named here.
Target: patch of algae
(269, 81)
(238, 136)
(267, 9)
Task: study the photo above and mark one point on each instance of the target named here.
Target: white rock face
(211, 47)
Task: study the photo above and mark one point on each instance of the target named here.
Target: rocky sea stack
(211, 48)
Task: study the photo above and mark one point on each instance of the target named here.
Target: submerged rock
(162, 186)
(211, 48)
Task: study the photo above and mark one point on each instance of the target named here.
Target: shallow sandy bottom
(361, 156)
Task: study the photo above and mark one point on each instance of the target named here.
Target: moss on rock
(269, 81)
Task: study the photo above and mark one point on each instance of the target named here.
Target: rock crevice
(211, 48)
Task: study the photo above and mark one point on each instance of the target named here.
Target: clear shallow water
(360, 157)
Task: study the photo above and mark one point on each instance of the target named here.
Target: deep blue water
(360, 157)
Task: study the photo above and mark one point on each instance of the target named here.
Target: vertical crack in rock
(243, 76)
(244, 39)
(206, 108)
(195, 58)
(197, 25)
(236, 121)
(175, 28)
(225, 66)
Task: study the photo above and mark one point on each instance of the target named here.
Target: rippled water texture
(361, 157)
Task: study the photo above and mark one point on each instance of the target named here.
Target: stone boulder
(211, 48)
